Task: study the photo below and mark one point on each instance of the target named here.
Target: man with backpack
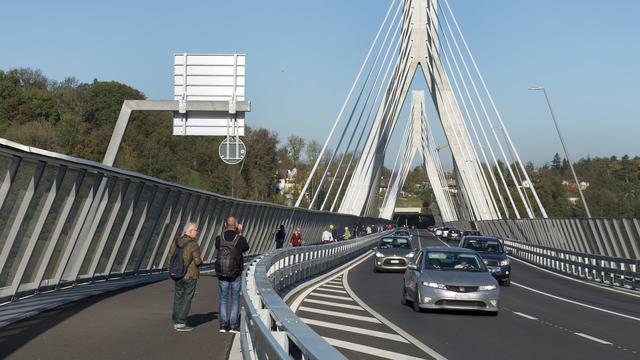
(184, 259)
(229, 265)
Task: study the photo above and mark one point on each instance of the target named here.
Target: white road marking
(334, 281)
(369, 350)
(339, 314)
(353, 329)
(330, 303)
(331, 290)
(317, 283)
(327, 285)
(431, 352)
(585, 282)
(594, 339)
(525, 315)
(331, 296)
(576, 302)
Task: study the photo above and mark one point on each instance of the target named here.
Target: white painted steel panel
(208, 77)
(204, 80)
(209, 70)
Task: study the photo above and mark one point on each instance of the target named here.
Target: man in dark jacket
(280, 237)
(229, 265)
(186, 287)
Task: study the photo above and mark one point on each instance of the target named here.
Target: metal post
(564, 147)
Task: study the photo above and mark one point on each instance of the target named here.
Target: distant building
(571, 186)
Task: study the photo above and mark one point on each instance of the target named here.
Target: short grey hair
(187, 226)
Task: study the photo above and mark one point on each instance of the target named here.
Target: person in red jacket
(296, 238)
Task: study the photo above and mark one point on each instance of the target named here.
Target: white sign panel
(208, 77)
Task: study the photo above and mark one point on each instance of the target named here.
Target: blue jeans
(226, 321)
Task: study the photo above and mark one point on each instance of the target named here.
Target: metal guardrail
(608, 270)
(614, 237)
(269, 328)
(600, 250)
(66, 221)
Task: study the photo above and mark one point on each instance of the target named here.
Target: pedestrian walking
(184, 259)
(280, 237)
(347, 233)
(327, 237)
(296, 238)
(229, 265)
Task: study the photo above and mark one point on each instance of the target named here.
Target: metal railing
(66, 221)
(604, 250)
(269, 328)
(608, 270)
(600, 236)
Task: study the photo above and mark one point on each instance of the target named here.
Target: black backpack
(177, 267)
(227, 260)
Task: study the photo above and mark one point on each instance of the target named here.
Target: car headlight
(505, 262)
(379, 254)
(485, 262)
(486, 287)
(434, 285)
(410, 255)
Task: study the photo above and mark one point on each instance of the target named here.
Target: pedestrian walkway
(128, 324)
(331, 312)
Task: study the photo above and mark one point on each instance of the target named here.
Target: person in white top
(327, 237)
(368, 229)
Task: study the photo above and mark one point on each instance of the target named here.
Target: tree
(313, 151)
(295, 144)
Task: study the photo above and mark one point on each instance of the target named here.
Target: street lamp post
(564, 147)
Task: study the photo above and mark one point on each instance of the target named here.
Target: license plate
(394, 261)
(460, 296)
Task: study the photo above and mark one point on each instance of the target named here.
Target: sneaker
(178, 326)
(223, 330)
(184, 328)
(235, 331)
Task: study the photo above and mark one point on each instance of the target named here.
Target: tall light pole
(564, 147)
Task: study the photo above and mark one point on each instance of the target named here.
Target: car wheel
(506, 282)
(491, 313)
(416, 304)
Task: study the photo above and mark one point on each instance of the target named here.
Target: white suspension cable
(333, 128)
(501, 149)
(495, 109)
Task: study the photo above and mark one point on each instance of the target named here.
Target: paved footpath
(133, 324)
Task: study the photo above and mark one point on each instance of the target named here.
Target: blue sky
(303, 55)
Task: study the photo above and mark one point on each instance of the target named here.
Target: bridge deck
(128, 324)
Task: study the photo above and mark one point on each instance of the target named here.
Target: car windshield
(394, 243)
(454, 261)
(483, 245)
(402, 233)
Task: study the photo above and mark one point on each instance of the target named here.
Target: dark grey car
(393, 253)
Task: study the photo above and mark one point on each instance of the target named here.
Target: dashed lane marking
(330, 303)
(369, 350)
(525, 315)
(594, 339)
(339, 314)
(356, 330)
(576, 302)
(331, 296)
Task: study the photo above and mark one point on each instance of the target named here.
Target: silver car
(392, 253)
(450, 278)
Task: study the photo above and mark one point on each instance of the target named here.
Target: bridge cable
(324, 147)
(363, 109)
(363, 87)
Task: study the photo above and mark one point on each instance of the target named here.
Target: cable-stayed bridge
(84, 245)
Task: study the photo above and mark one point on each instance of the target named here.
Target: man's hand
(239, 228)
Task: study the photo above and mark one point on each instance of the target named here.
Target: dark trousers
(279, 244)
(182, 296)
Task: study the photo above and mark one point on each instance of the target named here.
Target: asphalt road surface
(542, 316)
